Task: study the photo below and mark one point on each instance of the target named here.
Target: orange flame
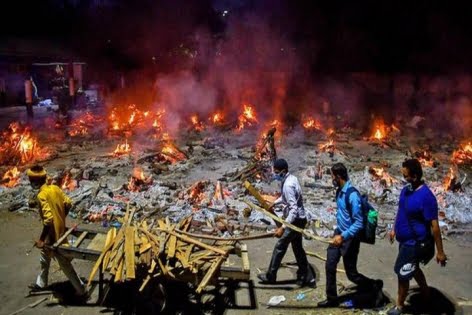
(327, 146)
(463, 155)
(381, 173)
(138, 179)
(248, 117)
(450, 177)
(68, 183)
(18, 145)
(122, 148)
(171, 153)
(310, 123)
(217, 118)
(11, 178)
(197, 124)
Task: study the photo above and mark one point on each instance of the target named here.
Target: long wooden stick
(322, 258)
(31, 305)
(253, 191)
(217, 238)
(291, 226)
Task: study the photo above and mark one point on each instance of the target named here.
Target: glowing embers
(379, 173)
(311, 123)
(197, 124)
(67, 183)
(82, 126)
(19, 146)
(122, 149)
(328, 147)
(382, 132)
(452, 182)
(139, 181)
(11, 178)
(171, 153)
(247, 118)
(217, 118)
(463, 155)
(426, 158)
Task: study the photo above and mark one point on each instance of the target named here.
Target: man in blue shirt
(346, 241)
(416, 230)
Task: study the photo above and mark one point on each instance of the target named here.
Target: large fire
(122, 149)
(129, 119)
(81, 126)
(463, 155)
(247, 118)
(18, 145)
(11, 178)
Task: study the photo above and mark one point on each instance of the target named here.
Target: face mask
(335, 183)
(279, 176)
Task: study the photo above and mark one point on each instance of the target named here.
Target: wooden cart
(86, 242)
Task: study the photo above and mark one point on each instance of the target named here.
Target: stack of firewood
(163, 250)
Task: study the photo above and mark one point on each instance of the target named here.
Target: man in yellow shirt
(54, 206)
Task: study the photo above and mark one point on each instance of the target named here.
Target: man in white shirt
(293, 213)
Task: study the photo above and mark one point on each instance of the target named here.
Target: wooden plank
(198, 243)
(119, 271)
(98, 242)
(209, 275)
(245, 258)
(129, 252)
(98, 263)
(79, 253)
(64, 237)
(144, 248)
(171, 247)
(80, 239)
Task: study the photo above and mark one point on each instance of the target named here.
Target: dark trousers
(349, 251)
(294, 238)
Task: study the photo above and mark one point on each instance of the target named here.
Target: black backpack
(369, 215)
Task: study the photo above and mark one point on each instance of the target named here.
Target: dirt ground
(19, 266)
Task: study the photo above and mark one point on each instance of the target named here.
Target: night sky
(330, 36)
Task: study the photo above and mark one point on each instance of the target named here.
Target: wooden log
(129, 252)
(253, 191)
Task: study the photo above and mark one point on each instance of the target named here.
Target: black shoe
(265, 279)
(379, 296)
(328, 303)
(303, 283)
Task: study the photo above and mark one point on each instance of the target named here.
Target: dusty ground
(19, 264)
